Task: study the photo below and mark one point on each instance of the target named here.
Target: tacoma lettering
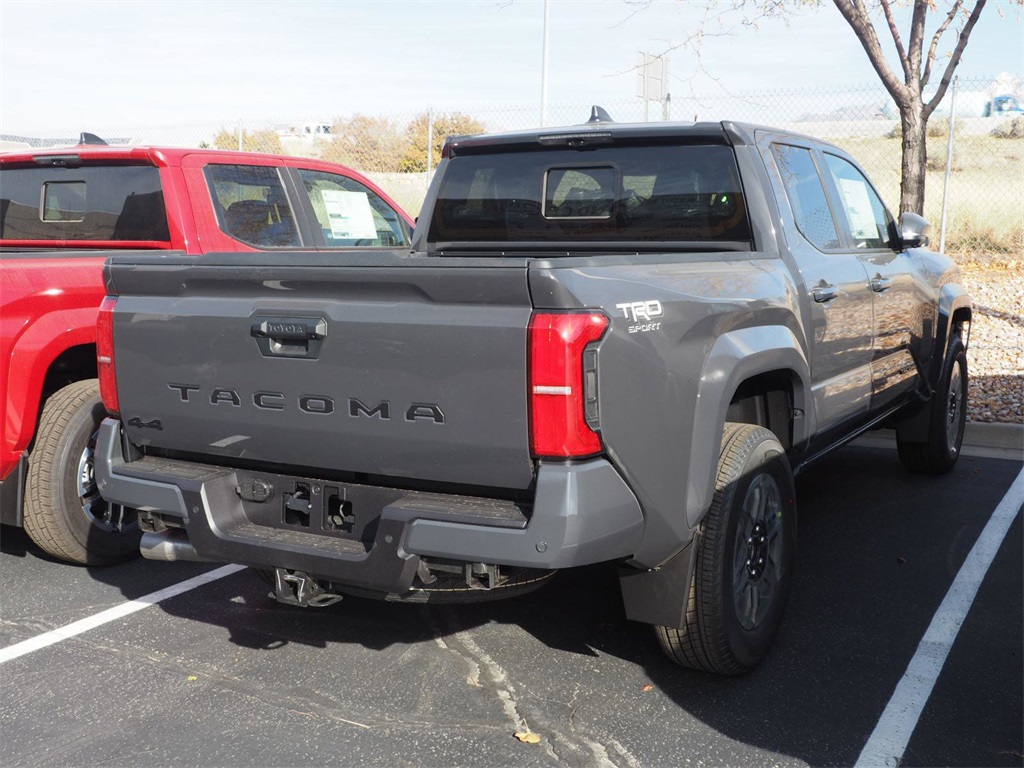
(318, 405)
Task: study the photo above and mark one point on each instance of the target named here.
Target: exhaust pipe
(169, 545)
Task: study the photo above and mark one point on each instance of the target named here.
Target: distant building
(304, 130)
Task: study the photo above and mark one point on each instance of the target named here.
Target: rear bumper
(582, 513)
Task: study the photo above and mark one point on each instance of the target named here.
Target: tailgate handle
(289, 336)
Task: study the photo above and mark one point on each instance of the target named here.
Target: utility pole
(430, 142)
(544, 67)
(949, 165)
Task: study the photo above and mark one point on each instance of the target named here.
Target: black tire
(945, 419)
(64, 513)
(736, 602)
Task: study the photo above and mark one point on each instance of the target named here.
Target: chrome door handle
(825, 293)
(879, 283)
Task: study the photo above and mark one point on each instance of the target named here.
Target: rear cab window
(89, 203)
(675, 195)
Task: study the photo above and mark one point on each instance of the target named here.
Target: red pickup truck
(85, 201)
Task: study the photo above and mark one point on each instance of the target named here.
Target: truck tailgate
(364, 363)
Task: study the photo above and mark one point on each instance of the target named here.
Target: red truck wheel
(64, 513)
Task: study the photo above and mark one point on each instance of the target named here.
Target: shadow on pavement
(878, 548)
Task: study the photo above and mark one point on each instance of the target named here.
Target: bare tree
(906, 81)
(907, 87)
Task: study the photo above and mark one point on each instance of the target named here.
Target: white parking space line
(889, 740)
(111, 614)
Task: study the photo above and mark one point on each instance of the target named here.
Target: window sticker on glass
(350, 214)
(858, 208)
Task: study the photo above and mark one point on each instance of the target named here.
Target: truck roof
(596, 132)
(160, 156)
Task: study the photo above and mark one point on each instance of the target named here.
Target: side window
(870, 224)
(806, 195)
(251, 205)
(351, 214)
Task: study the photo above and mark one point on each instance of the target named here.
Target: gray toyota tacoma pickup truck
(609, 343)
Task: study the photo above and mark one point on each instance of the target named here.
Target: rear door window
(350, 214)
(806, 195)
(251, 205)
(112, 203)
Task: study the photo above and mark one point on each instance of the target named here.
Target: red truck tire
(64, 513)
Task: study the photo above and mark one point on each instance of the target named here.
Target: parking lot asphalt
(223, 675)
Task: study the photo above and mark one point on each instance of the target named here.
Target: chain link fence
(985, 211)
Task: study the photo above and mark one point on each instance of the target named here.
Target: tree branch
(954, 59)
(935, 41)
(917, 22)
(887, 10)
(857, 17)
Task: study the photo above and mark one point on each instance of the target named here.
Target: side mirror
(914, 230)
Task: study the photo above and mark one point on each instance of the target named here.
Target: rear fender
(33, 353)
(952, 299)
(660, 595)
(735, 357)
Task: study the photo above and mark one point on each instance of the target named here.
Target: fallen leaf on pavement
(528, 737)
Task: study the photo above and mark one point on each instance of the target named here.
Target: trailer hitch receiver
(301, 589)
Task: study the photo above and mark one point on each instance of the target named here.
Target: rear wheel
(64, 512)
(945, 419)
(744, 558)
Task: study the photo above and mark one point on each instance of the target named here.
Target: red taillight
(105, 355)
(558, 396)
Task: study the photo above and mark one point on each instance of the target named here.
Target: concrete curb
(982, 434)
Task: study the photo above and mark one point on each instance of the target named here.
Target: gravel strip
(996, 356)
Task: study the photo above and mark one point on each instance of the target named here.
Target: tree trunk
(915, 156)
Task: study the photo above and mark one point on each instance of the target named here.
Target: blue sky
(69, 66)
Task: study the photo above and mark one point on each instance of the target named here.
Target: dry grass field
(986, 193)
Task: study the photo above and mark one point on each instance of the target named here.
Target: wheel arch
(51, 350)
(955, 308)
(75, 363)
(744, 365)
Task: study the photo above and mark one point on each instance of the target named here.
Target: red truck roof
(163, 157)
